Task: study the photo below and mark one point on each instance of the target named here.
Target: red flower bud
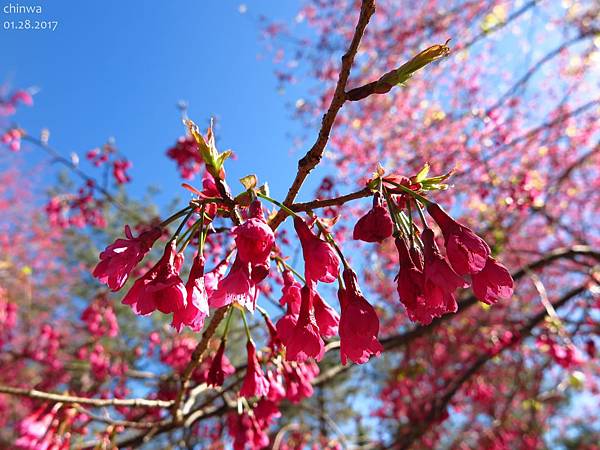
(254, 238)
(376, 225)
(219, 368)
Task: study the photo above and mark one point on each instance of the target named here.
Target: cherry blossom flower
(119, 258)
(120, 167)
(220, 367)
(466, 251)
(359, 324)
(492, 283)
(290, 292)
(254, 238)
(376, 225)
(160, 288)
(187, 157)
(321, 263)
(196, 309)
(326, 317)
(303, 341)
(255, 383)
(237, 286)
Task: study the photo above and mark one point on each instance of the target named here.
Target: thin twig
(314, 155)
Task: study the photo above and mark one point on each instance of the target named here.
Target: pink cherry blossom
(492, 283)
(359, 324)
(120, 258)
(320, 260)
(255, 383)
(196, 309)
(466, 251)
(303, 341)
(237, 286)
(160, 288)
(326, 317)
(376, 225)
(254, 238)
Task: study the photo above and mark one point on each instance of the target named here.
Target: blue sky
(117, 69)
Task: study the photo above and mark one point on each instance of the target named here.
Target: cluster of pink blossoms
(427, 283)
(428, 280)
(108, 155)
(9, 104)
(76, 210)
(186, 156)
(8, 107)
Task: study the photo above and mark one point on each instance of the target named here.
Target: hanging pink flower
(246, 431)
(466, 251)
(298, 379)
(39, 430)
(120, 168)
(286, 324)
(274, 339)
(160, 288)
(290, 292)
(255, 383)
(219, 368)
(359, 324)
(254, 238)
(120, 258)
(320, 260)
(440, 280)
(411, 283)
(212, 278)
(492, 283)
(376, 225)
(196, 309)
(326, 317)
(276, 389)
(237, 286)
(304, 341)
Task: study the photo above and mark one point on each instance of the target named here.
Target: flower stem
(246, 328)
(291, 269)
(392, 208)
(227, 323)
(277, 203)
(175, 216)
(182, 224)
(412, 193)
(330, 239)
(410, 220)
(423, 218)
(188, 235)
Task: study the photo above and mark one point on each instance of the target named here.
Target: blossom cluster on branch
(248, 321)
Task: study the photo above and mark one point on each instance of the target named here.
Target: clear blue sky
(117, 68)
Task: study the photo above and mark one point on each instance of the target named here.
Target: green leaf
(249, 181)
(422, 173)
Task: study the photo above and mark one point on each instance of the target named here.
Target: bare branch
(97, 402)
(314, 155)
